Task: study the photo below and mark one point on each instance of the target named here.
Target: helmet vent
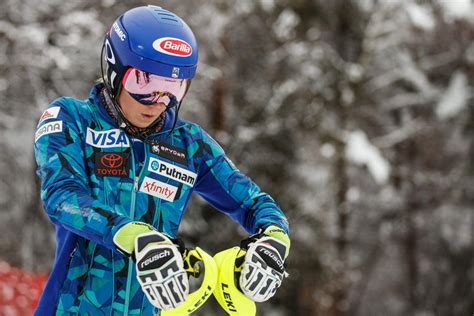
(166, 17)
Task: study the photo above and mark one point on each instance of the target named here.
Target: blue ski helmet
(151, 39)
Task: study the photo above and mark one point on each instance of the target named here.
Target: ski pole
(193, 258)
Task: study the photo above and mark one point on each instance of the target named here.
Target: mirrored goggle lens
(149, 89)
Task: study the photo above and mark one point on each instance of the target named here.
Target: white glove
(160, 270)
(263, 269)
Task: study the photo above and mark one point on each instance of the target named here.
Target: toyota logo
(112, 160)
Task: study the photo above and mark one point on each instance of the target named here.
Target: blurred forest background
(357, 116)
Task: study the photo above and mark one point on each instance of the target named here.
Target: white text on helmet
(119, 32)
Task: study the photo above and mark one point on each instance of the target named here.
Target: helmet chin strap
(116, 109)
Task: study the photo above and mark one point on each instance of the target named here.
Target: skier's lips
(148, 116)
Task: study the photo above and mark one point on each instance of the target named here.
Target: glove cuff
(124, 238)
(280, 235)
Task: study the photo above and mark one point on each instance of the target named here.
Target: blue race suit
(92, 184)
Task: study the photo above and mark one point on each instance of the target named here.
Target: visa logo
(107, 139)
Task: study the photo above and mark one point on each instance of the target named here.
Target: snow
(327, 150)
(470, 53)
(455, 98)
(267, 5)
(457, 9)
(420, 16)
(285, 24)
(360, 151)
(412, 73)
(456, 226)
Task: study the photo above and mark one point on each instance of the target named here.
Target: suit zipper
(136, 181)
(132, 216)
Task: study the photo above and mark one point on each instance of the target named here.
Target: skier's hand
(159, 263)
(124, 238)
(263, 268)
(160, 270)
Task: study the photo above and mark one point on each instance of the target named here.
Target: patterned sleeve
(222, 185)
(65, 187)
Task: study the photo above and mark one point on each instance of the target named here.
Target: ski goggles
(150, 89)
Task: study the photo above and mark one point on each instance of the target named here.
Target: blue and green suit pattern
(89, 276)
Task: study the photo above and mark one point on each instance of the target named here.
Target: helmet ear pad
(114, 70)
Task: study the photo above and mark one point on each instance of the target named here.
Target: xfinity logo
(49, 128)
(159, 189)
(171, 171)
(163, 254)
(119, 32)
(107, 139)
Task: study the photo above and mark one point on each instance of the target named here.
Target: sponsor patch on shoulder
(49, 128)
(49, 113)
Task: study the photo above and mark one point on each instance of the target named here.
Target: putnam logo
(159, 189)
(111, 138)
(171, 171)
(49, 128)
(173, 46)
(50, 113)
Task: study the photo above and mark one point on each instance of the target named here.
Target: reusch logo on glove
(275, 263)
(157, 258)
(173, 46)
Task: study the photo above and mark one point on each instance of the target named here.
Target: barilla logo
(173, 46)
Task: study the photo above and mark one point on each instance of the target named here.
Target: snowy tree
(357, 116)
